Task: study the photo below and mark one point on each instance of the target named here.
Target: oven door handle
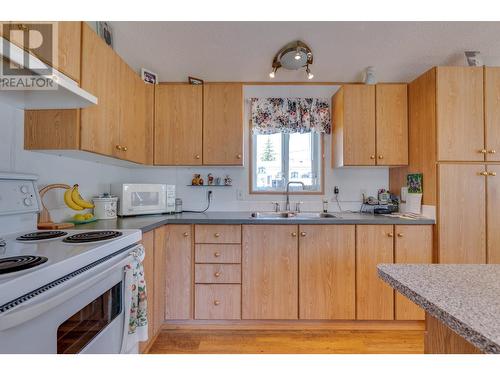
(22, 314)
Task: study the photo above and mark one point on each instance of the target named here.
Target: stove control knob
(28, 201)
(24, 189)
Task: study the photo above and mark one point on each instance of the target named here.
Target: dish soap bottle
(325, 205)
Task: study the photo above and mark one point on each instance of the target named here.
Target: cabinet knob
(216, 254)
(238, 156)
(216, 302)
(484, 173)
(197, 156)
(217, 274)
(492, 151)
(217, 235)
(303, 234)
(400, 234)
(483, 151)
(381, 156)
(124, 148)
(294, 234)
(186, 234)
(22, 26)
(118, 147)
(372, 157)
(390, 235)
(492, 173)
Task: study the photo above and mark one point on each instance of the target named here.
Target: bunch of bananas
(74, 200)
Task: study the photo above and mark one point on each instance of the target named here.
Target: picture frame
(105, 31)
(149, 77)
(415, 183)
(195, 81)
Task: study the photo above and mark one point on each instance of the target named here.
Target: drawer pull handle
(216, 302)
(400, 234)
(294, 234)
(217, 235)
(390, 235)
(186, 234)
(303, 234)
(217, 274)
(217, 254)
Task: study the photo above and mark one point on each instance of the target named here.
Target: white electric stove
(60, 291)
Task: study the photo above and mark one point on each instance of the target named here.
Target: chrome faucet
(287, 205)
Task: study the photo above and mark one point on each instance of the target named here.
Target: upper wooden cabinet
(460, 121)
(269, 272)
(178, 124)
(120, 125)
(68, 45)
(492, 113)
(370, 125)
(223, 124)
(327, 272)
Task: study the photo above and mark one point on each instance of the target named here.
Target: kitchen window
(287, 144)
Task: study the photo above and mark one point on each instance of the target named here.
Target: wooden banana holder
(44, 220)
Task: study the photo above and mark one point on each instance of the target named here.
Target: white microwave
(143, 199)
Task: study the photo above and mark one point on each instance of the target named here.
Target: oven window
(145, 198)
(81, 328)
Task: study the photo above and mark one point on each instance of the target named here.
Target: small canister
(105, 207)
(178, 205)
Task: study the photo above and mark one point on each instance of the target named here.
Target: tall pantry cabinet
(454, 130)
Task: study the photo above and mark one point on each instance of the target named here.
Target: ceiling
(243, 51)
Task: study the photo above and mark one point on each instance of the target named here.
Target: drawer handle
(303, 234)
(217, 274)
(390, 235)
(216, 254)
(400, 234)
(216, 302)
(294, 234)
(186, 234)
(217, 235)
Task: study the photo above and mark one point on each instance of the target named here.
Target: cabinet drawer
(218, 273)
(217, 233)
(217, 302)
(213, 253)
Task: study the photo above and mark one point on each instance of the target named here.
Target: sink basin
(290, 215)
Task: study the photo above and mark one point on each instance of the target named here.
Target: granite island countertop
(150, 222)
(464, 297)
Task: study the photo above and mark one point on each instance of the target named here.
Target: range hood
(65, 94)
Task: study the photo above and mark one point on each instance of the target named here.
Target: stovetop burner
(92, 236)
(45, 235)
(18, 263)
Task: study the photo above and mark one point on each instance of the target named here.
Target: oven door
(82, 315)
(143, 199)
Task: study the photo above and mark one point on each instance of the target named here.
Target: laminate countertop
(150, 222)
(464, 297)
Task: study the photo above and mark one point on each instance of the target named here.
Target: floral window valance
(290, 115)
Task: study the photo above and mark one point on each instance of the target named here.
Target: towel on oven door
(136, 306)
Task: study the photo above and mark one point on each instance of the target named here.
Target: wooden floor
(293, 342)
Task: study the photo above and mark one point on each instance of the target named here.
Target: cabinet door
(462, 213)
(358, 124)
(135, 116)
(492, 112)
(392, 124)
(374, 298)
(160, 237)
(327, 272)
(460, 125)
(69, 47)
(493, 219)
(413, 244)
(270, 272)
(149, 276)
(100, 76)
(179, 272)
(178, 124)
(223, 124)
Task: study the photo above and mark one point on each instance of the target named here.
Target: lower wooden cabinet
(327, 282)
(270, 272)
(374, 298)
(413, 244)
(217, 301)
(179, 272)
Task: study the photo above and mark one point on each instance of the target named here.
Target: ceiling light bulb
(297, 55)
(271, 75)
(310, 75)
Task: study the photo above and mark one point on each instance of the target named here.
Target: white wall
(94, 177)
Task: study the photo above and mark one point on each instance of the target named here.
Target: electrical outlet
(239, 194)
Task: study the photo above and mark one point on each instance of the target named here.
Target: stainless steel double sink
(292, 215)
